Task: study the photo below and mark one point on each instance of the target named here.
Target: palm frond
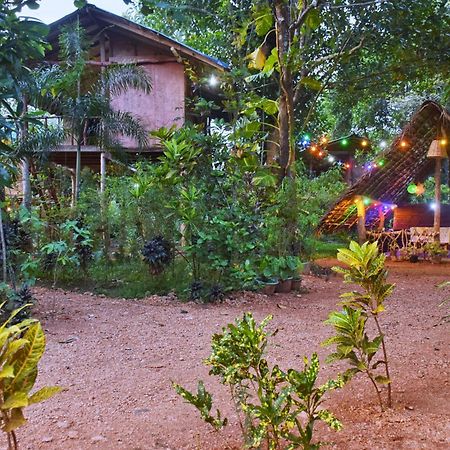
(119, 78)
(117, 123)
(39, 142)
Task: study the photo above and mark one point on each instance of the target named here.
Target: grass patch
(132, 279)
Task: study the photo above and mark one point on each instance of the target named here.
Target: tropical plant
(158, 254)
(14, 301)
(279, 408)
(365, 268)
(21, 348)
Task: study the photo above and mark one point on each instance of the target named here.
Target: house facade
(115, 39)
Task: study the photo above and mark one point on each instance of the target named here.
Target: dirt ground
(117, 359)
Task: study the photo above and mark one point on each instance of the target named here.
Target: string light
(344, 142)
(323, 140)
(364, 143)
(383, 144)
(314, 148)
(403, 143)
(331, 158)
(443, 141)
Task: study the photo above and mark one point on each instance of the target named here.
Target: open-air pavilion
(381, 194)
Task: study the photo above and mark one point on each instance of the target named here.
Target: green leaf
(16, 400)
(313, 19)
(26, 359)
(382, 379)
(7, 372)
(312, 83)
(16, 420)
(256, 59)
(44, 394)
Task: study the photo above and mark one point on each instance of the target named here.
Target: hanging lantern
(437, 149)
(412, 188)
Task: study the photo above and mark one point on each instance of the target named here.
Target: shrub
(158, 254)
(365, 268)
(21, 348)
(279, 408)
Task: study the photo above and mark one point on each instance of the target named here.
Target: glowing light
(383, 144)
(331, 158)
(314, 148)
(393, 207)
(443, 141)
(403, 143)
(323, 140)
(381, 162)
(412, 188)
(320, 153)
(364, 143)
(420, 189)
(433, 206)
(306, 138)
(347, 165)
(366, 201)
(213, 81)
(344, 142)
(369, 167)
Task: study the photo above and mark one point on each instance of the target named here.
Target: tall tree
(322, 48)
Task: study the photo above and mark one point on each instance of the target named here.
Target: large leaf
(257, 59)
(44, 394)
(16, 400)
(16, 420)
(26, 359)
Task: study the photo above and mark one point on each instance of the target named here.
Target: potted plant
(285, 276)
(393, 247)
(268, 278)
(294, 264)
(435, 251)
(413, 253)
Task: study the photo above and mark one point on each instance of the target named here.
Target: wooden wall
(420, 215)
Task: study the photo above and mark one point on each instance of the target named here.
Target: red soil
(117, 359)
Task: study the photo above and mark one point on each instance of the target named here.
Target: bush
(279, 408)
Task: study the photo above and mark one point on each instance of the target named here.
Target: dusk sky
(51, 10)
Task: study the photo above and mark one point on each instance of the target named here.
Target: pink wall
(164, 106)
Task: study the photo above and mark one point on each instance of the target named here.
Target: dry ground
(117, 358)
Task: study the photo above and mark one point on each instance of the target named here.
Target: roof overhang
(154, 37)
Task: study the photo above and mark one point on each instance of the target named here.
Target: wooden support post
(361, 210)
(74, 189)
(381, 217)
(102, 172)
(437, 199)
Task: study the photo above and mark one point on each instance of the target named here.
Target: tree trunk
(76, 187)
(26, 183)
(286, 100)
(3, 246)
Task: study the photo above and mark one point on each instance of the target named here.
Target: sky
(51, 10)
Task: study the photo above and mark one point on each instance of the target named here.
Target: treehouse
(115, 39)
(382, 195)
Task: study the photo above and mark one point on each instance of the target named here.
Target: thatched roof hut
(404, 161)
